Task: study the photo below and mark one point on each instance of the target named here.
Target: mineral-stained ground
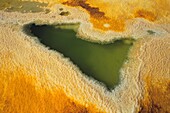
(35, 79)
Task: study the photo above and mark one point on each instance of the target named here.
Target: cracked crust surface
(31, 67)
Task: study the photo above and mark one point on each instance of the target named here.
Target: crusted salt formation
(123, 18)
(155, 76)
(49, 71)
(35, 79)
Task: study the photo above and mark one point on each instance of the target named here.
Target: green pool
(22, 6)
(100, 61)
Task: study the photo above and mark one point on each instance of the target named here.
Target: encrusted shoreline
(52, 70)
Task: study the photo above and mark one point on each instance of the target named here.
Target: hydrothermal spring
(99, 61)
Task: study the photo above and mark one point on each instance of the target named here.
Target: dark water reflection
(100, 61)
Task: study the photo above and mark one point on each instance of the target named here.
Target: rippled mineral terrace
(84, 56)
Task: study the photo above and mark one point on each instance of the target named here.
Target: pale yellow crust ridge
(155, 76)
(25, 82)
(117, 15)
(52, 71)
(136, 29)
(8, 55)
(136, 75)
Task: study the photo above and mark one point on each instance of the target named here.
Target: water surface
(100, 61)
(22, 6)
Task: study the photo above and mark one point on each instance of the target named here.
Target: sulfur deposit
(35, 79)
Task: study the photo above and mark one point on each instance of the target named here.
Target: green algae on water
(100, 61)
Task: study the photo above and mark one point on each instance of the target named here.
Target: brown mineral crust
(119, 15)
(157, 96)
(145, 14)
(94, 11)
(154, 74)
(98, 17)
(113, 15)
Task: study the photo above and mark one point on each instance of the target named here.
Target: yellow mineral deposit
(25, 87)
(20, 94)
(156, 76)
(34, 79)
(118, 12)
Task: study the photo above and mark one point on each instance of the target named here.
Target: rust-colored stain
(98, 17)
(156, 96)
(94, 12)
(145, 14)
(103, 22)
(19, 94)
